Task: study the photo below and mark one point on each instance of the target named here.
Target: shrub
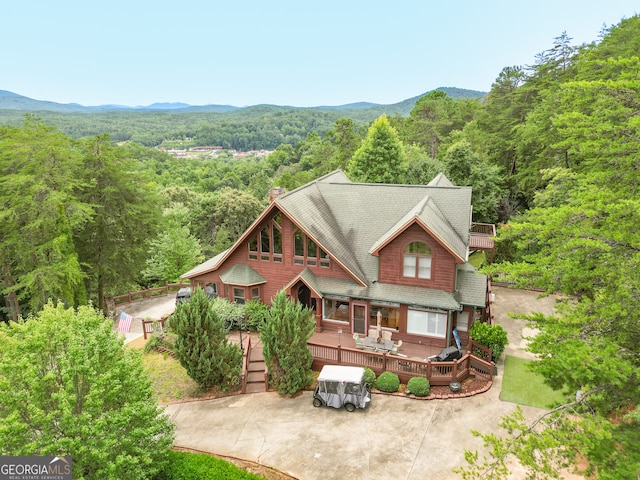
(196, 466)
(388, 382)
(369, 377)
(491, 336)
(256, 315)
(231, 313)
(419, 386)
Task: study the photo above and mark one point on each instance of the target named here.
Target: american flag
(124, 325)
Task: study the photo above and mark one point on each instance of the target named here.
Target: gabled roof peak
(440, 180)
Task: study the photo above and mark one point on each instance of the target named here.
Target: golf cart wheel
(317, 402)
(350, 407)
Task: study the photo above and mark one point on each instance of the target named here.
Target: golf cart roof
(339, 373)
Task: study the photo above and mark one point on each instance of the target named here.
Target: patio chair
(358, 340)
(386, 334)
(373, 333)
(396, 346)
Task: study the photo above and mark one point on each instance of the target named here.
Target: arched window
(417, 260)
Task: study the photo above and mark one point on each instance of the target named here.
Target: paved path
(394, 438)
(154, 308)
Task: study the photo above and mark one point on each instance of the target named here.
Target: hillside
(14, 101)
(257, 127)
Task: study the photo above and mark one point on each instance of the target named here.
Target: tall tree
(346, 139)
(68, 385)
(40, 209)
(380, 158)
(228, 211)
(486, 180)
(431, 119)
(174, 251)
(284, 338)
(113, 245)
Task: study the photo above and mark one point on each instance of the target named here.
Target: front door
(359, 318)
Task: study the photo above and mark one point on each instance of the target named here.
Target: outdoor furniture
(386, 334)
(358, 340)
(372, 344)
(373, 333)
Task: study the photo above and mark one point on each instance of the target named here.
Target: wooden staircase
(254, 377)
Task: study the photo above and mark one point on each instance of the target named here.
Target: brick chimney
(275, 192)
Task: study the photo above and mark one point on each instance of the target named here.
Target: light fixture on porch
(339, 333)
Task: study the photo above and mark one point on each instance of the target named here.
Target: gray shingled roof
(208, 265)
(381, 292)
(471, 286)
(348, 219)
(243, 275)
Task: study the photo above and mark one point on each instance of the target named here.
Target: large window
(336, 310)
(432, 324)
(417, 260)
(267, 243)
(390, 315)
(307, 252)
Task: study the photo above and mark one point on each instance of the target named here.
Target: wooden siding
(443, 265)
(277, 274)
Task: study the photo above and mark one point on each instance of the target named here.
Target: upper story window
(267, 243)
(307, 252)
(417, 260)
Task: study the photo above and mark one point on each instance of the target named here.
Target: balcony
(481, 238)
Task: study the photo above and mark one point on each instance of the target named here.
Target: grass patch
(522, 386)
(170, 380)
(477, 259)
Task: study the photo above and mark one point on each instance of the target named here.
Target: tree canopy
(68, 385)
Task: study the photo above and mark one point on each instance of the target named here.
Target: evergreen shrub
(418, 386)
(369, 377)
(491, 336)
(388, 382)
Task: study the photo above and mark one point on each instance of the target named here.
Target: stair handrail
(246, 356)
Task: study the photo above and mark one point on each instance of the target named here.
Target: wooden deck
(330, 348)
(410, 350)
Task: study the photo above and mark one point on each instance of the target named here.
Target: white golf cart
(341, 386)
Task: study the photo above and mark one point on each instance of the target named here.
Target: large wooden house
(350, 250)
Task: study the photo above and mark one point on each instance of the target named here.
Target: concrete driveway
(395, 437)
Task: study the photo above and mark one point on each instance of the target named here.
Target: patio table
(385, 345)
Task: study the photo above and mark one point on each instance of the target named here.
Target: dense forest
(552, 154)
(259, 127)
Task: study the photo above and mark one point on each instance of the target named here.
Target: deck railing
(438, 373)
(147, 293)
(488, 229)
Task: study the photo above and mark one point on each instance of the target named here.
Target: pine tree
(380, 158)
(202, 346)
(284, 340)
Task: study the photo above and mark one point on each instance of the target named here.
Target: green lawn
(521, 385)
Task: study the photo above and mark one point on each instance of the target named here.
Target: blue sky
(246, 52)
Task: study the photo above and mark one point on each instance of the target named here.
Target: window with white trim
(336, 310)
(238, 295)
(417, 260)
(462, 323)
(432, 324)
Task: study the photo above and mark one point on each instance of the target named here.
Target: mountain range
(14, 101)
